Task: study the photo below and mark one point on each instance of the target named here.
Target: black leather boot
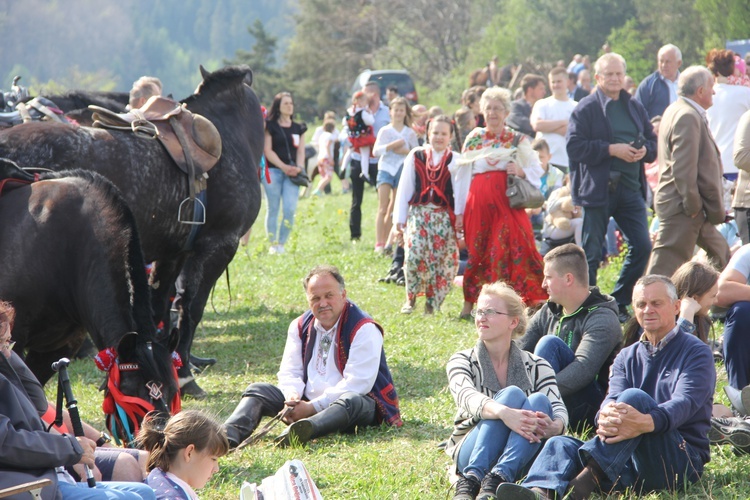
(243, 420)
(334, 418)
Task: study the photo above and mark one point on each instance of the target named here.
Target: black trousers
(361, 409)
(358, 190)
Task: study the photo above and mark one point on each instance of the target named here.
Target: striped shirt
(472, 382)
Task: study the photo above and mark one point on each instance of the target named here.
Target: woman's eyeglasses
(478, 313)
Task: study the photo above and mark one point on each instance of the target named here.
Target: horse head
(141, 378)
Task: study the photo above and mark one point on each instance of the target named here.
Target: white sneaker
(280, 249)
(273, 250)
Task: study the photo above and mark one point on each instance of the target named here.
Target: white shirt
(318, 131)
(672, 86)
(325, 145)
(408, 179)
(391, 161)
(551, 108)
(325, 384)
(730, 103)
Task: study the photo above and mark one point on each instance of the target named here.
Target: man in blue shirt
(652, 427)
(659, 89)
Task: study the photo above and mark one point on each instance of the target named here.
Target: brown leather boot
(587, 482)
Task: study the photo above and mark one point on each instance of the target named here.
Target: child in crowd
(358, 121)
(325, 143)
(419, 122)
(563, 222)
(184, 454)
(426, 192)
(394, 142)
(551, 179)
(465, 123)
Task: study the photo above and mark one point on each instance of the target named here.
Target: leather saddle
(187, 137)
(37, 109)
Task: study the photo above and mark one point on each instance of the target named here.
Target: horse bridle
(123, 412)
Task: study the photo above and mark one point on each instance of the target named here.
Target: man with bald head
(659, 89)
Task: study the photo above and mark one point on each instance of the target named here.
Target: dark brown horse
(154, 189)
(71, 264)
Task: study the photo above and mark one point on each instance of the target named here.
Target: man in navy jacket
(659, 89)
(609, 138)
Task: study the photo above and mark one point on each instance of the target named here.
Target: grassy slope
(247, 334)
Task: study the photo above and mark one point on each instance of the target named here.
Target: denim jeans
(111, 490)
(629, 211)
(582, 405)
(649, 462)
(280, 190)
(736, 352)
(491, 445)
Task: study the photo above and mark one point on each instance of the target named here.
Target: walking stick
(63, 389)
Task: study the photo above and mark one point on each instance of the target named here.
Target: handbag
(301, 179)
(520, 192)
(523, 194)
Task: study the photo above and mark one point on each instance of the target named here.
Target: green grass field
(246, 333)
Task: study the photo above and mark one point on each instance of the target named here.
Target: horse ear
(204, 73)
(248, 77)
(174, 339)
(126, 347)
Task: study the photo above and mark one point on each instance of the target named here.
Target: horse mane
(141, 309)
(220, 80)
(142, 312)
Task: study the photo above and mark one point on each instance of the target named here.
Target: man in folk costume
(333, 374)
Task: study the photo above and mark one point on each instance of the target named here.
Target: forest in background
(315, 48)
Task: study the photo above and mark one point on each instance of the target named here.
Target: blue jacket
(165, 488)
(681, 378)
(589, 136)
(653, 93)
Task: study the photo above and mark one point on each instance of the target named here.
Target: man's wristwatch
(104, 438)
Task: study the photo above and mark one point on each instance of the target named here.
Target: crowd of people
(551, 357)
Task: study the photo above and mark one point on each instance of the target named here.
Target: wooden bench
(33, 487)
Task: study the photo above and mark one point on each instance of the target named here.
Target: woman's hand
(689, 307)
(513, 169)
(523, 422)
(400, 228)
(546, 427)
(292, 170)
(460, 223)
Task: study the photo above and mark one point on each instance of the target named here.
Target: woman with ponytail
(183, 454)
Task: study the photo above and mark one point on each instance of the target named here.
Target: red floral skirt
(500, 242)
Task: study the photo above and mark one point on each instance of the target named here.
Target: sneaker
(280, 249)
(467, 488)
(623, 315)
(731, 430)
(488, 489)
(273, 250)
(379, 248)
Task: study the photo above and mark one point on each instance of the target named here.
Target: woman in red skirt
(499, 239)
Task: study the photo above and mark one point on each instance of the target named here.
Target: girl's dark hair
(402, 100)
(694, 279)
(720, 62)
(164, 442)
(275, 111)
(442, 119)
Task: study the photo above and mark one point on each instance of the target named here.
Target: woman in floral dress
(426, 192)
(499, 239)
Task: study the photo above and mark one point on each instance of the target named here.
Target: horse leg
(201, 271)
(162, 279)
